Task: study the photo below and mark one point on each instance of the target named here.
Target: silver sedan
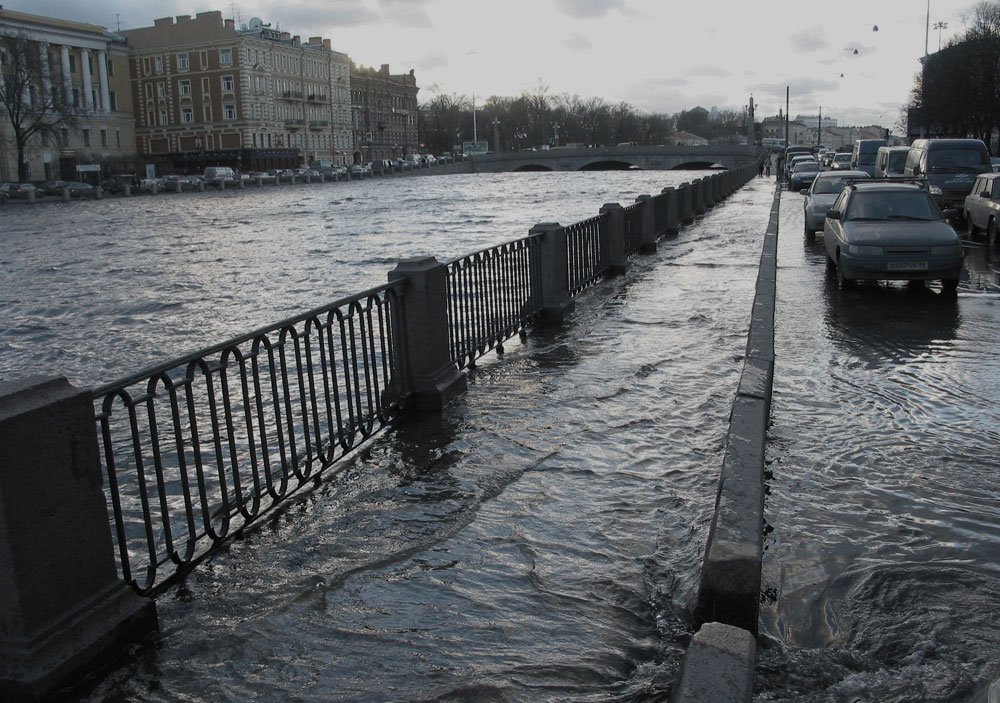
(891, 231)
(822, 193)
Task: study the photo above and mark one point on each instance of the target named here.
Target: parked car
(891, 231)
(824, 190)
(53, 187)
(995, 163)
(982, 207)
(117, 182)
(263, 177)
(803, 174)
(20, 191)
(78, 189)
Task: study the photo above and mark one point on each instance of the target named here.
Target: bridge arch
(694, 166)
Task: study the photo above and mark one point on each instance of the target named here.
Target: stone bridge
(652, 158)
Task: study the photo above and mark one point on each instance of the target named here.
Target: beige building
(207, 92)
(86, 66)
(384, 110)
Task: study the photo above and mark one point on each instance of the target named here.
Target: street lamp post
(939, 26)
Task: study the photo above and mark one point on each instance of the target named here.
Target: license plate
(906, 266)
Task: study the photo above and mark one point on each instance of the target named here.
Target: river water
(541, 540)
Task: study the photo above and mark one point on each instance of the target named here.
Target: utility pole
(819, 127)
(787, 143)
(496, 135)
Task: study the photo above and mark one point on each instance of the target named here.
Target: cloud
(406, 13)
(714, 71)
(432, 62)
(589, 9)
(801, 87)
(809, 39)
(577, 42)
(340, 13)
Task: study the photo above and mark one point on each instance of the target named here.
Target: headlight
(864, 250)
(947, 250)
(935, 190)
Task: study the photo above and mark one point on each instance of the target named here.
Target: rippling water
(882, 573)
(95, 290)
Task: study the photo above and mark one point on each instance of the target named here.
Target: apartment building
(384, 113)
(209, 93)
(79, 69)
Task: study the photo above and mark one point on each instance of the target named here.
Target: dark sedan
(803, 175)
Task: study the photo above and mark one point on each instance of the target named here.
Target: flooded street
(542, 539)
(882, 573)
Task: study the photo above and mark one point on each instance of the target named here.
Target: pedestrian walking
(760, 169)
(767, 167)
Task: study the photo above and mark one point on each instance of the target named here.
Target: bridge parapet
(652, 158)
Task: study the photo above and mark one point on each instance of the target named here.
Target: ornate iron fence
(633, 227)
(492, 295)
(584, 251)
(197, 449)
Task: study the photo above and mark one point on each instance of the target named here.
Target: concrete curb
(718, 666)
(719, 663)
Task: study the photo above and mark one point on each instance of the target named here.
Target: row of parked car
(879, 224)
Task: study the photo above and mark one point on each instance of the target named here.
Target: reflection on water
(880, 575)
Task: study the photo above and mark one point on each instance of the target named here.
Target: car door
(833, 229)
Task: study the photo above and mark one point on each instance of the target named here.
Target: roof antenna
(118, 21)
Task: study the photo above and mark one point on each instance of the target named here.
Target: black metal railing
(199, 448)
(583, 249)
(661, 214)
(492, 295)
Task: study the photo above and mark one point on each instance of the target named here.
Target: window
(229, 111)
(182, 62)
(149, 91)
(226, 57)
(206, 89)
(203, 59)
(187, 115)
(164, 117)
(184, 88)
(161, 90)
(65, 137)
(86, 137)
(207, 111)
(118, 138)
(227, 84)
(72, 63)
(158, 62)
(111, 68)
(104, 137)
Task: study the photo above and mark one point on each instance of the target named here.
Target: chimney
(384, 69)
(296, 40)
(231, 24)
(163, 22)
(315, 41)
(183, 18)
(326, 45)
(285, 36)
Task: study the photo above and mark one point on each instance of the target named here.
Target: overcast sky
(658, 55)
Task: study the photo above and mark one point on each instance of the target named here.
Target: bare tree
(32, 102)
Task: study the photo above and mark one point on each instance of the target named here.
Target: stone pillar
(685, 210)
(698, 196)
(557, 303)
(430, 379)
(63, 610)
(647, 241)
(31, 196)
(127, 190)
(43, 55)
(672, 210)
(98, 193)
(86, 88)
(65, 195)
(613, 247)
(177, 186)
(67, 75)
(102, 76)
(260, 181)
(708, 191)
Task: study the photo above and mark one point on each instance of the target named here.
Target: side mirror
(950, 213)
(804, 191)
(833, 214)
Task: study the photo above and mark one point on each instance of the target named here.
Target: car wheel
(843, 282)
(970, 229)
(805, 229)
(949, 285)
(991, 232)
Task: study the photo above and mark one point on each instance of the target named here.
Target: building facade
(384, 113)
(86, 67)
(207, 93)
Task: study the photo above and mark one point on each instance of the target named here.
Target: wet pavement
(541, 540)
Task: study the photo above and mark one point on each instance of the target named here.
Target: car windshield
(959, 161)
(842, 157)
(823, 186)
(912, 205)
(897, 159)
(806, 166)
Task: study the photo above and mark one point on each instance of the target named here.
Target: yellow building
(207, 93)
(86, 65)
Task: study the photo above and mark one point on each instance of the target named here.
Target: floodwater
(882, 572)
(541, 540)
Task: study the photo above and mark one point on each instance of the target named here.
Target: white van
(216, 175)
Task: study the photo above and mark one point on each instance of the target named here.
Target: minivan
(950, 167)
(890, 160)
(863, 155)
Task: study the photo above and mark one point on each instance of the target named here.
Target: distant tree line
(536, 118)
(957, 92)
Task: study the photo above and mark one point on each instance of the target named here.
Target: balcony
(294, 124)
(291, 95)
(319, 124)
(317, 98)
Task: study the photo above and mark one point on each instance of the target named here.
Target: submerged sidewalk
(541, 539)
